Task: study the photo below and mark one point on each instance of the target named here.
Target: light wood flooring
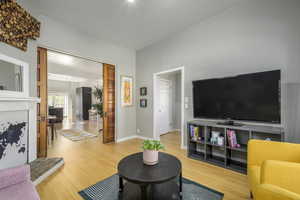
(90, 161)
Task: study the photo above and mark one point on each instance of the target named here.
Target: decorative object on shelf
(151, 149)
(126, 91)
(143, 103)
(214, 137)
(195, 133)
(221, 141)
(17, 25)
(232, 141)
(143, 91)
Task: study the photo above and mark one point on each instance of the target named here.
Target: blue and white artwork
(13, 138)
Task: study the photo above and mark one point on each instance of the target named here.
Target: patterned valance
(17, 25)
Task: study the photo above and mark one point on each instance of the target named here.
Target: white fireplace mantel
(12, 99)
(29, 104)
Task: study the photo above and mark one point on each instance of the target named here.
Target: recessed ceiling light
(130, 1)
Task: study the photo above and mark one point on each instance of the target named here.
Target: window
(59, 101)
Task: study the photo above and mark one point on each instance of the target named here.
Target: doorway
(168, 107)
(73, 93)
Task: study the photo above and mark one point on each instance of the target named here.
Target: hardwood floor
(172, 139)
(90, 161)
(91, 126)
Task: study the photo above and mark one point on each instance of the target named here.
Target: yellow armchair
(274, 170)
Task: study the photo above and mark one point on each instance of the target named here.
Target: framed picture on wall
(126, 91)
(143, 91)
(143, 103)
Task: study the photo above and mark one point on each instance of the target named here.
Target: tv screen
(249, 97)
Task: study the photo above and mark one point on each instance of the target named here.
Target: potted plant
(98, 93)
(151, 149)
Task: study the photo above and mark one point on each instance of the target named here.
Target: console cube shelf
(225, 156)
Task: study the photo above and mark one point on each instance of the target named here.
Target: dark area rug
(108, 190)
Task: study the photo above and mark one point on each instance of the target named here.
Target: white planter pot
(150, 157)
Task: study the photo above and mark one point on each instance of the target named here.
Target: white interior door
(164, 106)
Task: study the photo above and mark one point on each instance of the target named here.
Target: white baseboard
(133, 137)
(184, 147)
(171, 131)
(126, 138)
(143, 138)
(49, 172)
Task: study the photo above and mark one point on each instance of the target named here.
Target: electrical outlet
(138, 130)
(186, 106)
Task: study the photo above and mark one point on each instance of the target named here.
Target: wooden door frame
(93, 60)
(107, 110)
(42, 106)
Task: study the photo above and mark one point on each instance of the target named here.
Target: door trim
(155, 78)
(42, 107)
(48, 48)
(109, 106)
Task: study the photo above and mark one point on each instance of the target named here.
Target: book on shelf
(232, 141)
(195, 133)
(191, 131)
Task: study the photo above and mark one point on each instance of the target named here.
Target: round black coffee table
(139, 177)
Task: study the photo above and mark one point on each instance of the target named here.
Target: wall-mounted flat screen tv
(248, 97)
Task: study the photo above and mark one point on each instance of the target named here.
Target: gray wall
(177, 113)
(253, 36)
(57, 36)
(293, 112)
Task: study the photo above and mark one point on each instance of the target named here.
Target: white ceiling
(63, 64)
(132, 25)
